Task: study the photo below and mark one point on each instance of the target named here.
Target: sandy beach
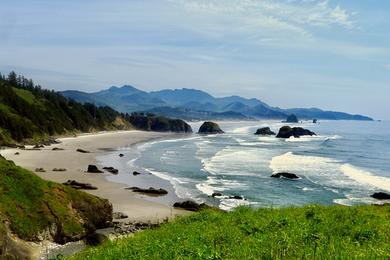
(137, 208)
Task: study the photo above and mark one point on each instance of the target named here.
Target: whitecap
(366, 177)
(229, 204)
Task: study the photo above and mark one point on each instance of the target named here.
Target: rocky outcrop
(151, 122)
(286, 175)
(93, 169)
(381, 196)
(135, 173)
(121, 155)
(292, 119)
(151, 191)
(59, 170)
(287, 132)
(79, 185)
(39, 170)
(119, 215)
(57, 149)
(111, 170)
(189, 205)
(210, 128)
(264, 131)
(82, 151)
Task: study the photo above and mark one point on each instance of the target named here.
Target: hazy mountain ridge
(195, 104)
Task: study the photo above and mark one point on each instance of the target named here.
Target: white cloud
(284, 15)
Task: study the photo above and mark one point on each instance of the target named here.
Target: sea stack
(292, 119)
(264, 131)
(210, 128)
(287, 132)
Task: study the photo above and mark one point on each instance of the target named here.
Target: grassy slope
(308, 232)
(31, 205)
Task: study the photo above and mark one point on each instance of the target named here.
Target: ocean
(344, 164)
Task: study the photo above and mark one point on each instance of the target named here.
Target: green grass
(288, 233)
(31, 205)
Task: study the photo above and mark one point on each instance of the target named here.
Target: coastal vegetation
(34, 209)
(308, 232)
(29, 113)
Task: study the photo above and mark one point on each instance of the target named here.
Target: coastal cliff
(32, 209)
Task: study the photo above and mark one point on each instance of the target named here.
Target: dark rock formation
(287, 132)
(59, 170)
(40, 170)
(151, 191)
(292, 119)
(210, 128)
(82, 151)
(93, 168)
(236, 197)
(314, 121)
(381, 196)
(111, 170)
(79, 185)
(135, 173)
(57, 149)
(150, 122)
(216, 194)
(121, 155)
(189, 205)
(17, 153)
(119, 215)
(285, 175)
(264, 131)
(37, 146)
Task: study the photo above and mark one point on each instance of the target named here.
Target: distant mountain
(179, 97)
(192, 104)
(188, 114)
(30, 114)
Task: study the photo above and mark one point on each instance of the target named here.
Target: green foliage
(322, 232)
(29, 112)
(31, 206)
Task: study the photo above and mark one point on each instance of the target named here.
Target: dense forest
(30, 113)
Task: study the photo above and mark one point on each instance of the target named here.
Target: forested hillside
(30, 113)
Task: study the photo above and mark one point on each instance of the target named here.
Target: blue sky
(331, 54)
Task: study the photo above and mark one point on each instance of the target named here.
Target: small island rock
(287, 132)
(381, 196)
(264, 131)
(210, 128)
(292, 119)
(286, 175)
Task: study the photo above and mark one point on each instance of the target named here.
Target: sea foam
(365, 177)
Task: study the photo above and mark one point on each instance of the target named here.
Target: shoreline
(137, 207)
